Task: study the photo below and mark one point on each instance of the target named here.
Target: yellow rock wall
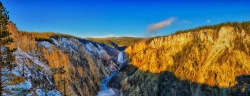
(207, 56)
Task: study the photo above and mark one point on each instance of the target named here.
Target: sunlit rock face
(202, 63)
(206, 56)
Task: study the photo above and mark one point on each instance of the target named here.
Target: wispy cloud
(153, 28)
(208, 20)
(157, 26)
(186, 21)
(110, 35)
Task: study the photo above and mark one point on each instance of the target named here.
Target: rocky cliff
(199, 62)
(58, 66)
(206, 61)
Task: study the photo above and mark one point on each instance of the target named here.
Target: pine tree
(6, 56)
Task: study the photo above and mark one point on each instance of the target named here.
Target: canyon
(193, 63)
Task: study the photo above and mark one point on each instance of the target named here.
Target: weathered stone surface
(203, 63)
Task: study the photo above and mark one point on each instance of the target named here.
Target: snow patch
(30, 94)
(71, 49)
(55, 42)
(40, 92)
(46, 44)
(89, 46)
(66, 43)
(5, 94)
(53, 93)
(70, 44)
(24, 85)
(20, 55)
(24, 68)
(16, 71)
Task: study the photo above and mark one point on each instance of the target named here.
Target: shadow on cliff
(122, 48)
(132, 81)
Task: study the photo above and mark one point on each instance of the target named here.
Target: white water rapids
(105, 91)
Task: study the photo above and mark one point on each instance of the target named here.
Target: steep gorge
(63, 65)
(198, 62)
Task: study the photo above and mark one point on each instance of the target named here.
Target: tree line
(236, 25)
(44, 36)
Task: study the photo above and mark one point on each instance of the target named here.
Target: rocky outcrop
(69, 65)
(204, 62)
(207, 56)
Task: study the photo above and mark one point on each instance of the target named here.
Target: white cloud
(109, 35)
(104, 36)
(208, 20)
(160, 25)
(186, 21)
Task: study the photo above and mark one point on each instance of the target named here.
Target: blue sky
(100, 18)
